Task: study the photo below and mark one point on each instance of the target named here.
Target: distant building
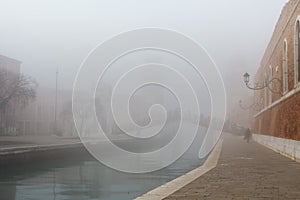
(278, 120)
(10, 65)
(38, 117)
(11, 69)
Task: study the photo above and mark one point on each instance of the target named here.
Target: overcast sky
(51, 34)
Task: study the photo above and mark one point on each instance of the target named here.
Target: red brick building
(279, 116)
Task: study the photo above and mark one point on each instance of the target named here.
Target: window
(265, 93)
(297, 52)
(271, 85)
(285, 75)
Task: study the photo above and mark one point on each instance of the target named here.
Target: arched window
(285, 75)
(271, 85)
(297, 51)
(265, 93)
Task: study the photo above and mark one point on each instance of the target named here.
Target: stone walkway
(245, 171)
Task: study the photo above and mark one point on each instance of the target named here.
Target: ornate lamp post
(266, 84)
(55, 103)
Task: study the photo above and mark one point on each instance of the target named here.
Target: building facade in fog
(11, 69)
(278, 118)
(39, 116)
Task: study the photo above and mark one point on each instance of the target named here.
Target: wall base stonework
(282, 120)
(286, 147)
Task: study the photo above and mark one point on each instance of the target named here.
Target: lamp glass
(246, 78)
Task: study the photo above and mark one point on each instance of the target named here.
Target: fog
(111, 99)
(54, 34)
(47, 36)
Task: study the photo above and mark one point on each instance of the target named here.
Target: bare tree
(16, 88)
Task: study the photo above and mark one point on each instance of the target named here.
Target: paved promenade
(245, 171)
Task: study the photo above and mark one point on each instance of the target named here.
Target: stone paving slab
(245, 171)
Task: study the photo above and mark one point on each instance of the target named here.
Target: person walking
(248, 135)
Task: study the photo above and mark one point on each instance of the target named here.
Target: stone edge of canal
(178, 183)
(39, 153)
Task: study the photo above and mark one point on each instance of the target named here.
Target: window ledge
(297, 85)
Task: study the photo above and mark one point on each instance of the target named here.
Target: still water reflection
(81, 177)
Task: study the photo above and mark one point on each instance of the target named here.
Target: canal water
(82, 177)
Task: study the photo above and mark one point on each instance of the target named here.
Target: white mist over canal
(82, 177)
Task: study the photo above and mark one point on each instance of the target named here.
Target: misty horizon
(46, 36)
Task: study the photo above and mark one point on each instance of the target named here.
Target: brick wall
(282, 119)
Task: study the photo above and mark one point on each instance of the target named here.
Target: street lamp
(55, 104)
(246, 78)
(267, 84)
